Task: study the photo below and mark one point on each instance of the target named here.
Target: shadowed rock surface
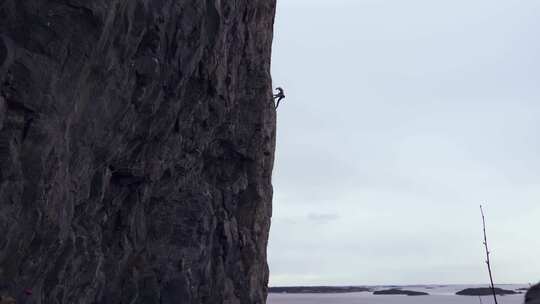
(400, 292)
(136, 150)
(533, 295)
(484, 291)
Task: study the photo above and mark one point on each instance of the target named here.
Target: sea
(438, 294)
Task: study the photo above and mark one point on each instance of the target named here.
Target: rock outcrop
(136, 150)
(396, 291)
(533, 295)
(484, 291)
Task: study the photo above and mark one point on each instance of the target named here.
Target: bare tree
(487, 256)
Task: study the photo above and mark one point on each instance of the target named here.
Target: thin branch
(487, 256)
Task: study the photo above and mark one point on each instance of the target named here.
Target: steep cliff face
(533, 295)
(136, 150)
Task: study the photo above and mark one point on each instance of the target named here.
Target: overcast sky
(401, 118)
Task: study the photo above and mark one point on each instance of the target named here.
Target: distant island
(395, 291)
(318, 289)
(484, 291)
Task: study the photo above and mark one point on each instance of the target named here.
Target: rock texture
(533, 295)
(136, 150)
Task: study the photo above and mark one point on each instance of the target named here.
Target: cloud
(323, 217)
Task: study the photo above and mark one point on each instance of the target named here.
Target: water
(438, 295)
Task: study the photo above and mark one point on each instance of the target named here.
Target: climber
(279, 96)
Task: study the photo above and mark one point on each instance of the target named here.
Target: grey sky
(402, 117)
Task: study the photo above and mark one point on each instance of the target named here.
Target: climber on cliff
(279, 96)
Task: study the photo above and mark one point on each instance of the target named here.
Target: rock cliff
(533, 295)
(136, 150)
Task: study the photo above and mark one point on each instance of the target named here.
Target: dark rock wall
(136, 150)
(533, 295)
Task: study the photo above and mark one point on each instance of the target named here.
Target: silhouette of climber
(279, 96)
